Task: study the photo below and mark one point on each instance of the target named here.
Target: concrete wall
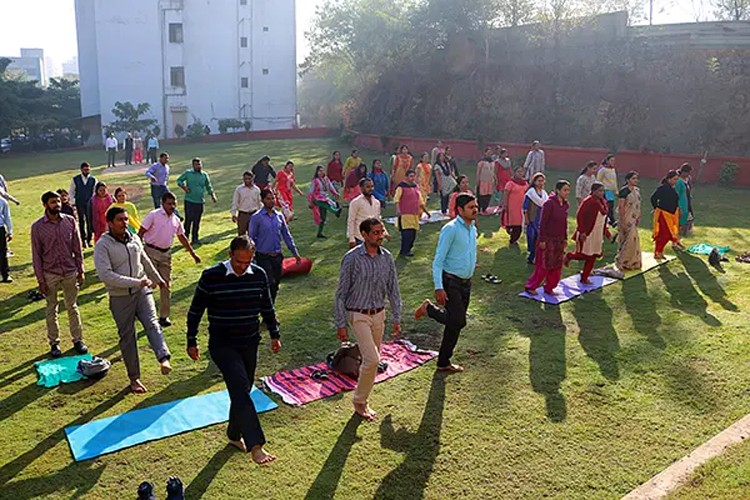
(88, 63)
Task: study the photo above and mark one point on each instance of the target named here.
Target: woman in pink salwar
(512, 216)
(98, 206)
(322, 199)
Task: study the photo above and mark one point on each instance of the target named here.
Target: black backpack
(345, 360)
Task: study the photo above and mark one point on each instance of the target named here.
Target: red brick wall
(652, 165)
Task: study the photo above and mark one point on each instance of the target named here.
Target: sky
(51, 25)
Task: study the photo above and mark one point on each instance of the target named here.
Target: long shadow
(328, 478)
(14, 467)
(198, 486)
(706, 280)
(26, 366)
(547, 365)
(410, 478)
(74, 478)
(685, 297)
(597, 335)
(640, 307)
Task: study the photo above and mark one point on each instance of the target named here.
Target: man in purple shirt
(267, 228)
(58, 263)
(158, 174)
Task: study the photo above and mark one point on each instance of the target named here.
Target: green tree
(129, 117)
(732, 10)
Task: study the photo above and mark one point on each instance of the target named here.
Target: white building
(70, 69)
(30, 64)
(204, 59)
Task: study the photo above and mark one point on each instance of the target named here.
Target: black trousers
(4, 270)
(271, 264)
(111, 156)
(611, 212)
(85, 224)
(453, 316)
(408, 237)
(128, 156)
(151, 156)
(193, 214)
(237, 364)
(484, 201)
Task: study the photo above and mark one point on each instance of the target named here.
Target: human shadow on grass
(421, 447)
(706, 280)
(199, 485)
(328, 478)
(685, 297)
(640, 306)
(547, 365)
(75, 478)
(597, 335)
(20, 371)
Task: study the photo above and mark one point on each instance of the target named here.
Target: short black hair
(686, 167)
(168, 195)
(248, 173)
(114, 212)
(85, 164)
(561, 184)
(363, 181)
(61, 191)
(630, 175)
(409, 172)
(463, 199)
(596, 186)
(196, 160)
(265, 192)
(163, 154)
(366, 225)
(119, 190)
(48, 196)
(243, 242)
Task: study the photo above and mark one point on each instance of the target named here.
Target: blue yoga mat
(106, 435)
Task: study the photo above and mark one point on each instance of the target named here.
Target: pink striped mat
(296, 387)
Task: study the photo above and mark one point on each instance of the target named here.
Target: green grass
(725, 477)
(586, 400)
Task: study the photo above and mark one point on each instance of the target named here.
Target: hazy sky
(50, 25)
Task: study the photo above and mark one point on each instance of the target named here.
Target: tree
(179, 131)
(732, 10)
(129, 117)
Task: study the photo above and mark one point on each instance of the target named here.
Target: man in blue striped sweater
(236, 292)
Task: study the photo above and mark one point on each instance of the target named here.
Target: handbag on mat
(345, 360)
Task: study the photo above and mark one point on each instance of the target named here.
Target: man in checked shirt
(368, 275)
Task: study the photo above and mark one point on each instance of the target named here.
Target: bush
(157, 130)
(727, 173)
(196, 129)
(179, 131)
(226, 124)
(247, 125)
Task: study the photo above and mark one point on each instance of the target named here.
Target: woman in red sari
(351, 183)
(591, 220)
(283, 186)
(551, 241)
(98, 206)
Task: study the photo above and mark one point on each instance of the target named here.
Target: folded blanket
(54, 372)
(705, 249)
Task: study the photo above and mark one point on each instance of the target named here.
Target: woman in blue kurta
(532, 212)
(683, 188)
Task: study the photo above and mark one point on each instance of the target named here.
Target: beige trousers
(163, 263)
(69, 287)
(369, 333)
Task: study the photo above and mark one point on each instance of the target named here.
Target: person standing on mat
(267, 228)
(129, 276)
(195, 183)
(361, 208)
(629, 214)
(666, 225)
(245, 202)
(410, 206)
(157, 231)
(368, 275)
(452, 269)
(81, 191)
(158, 174)
(551, 241)
(591, 219)
(58, 264)
(235, 293)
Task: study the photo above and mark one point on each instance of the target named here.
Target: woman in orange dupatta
(666, 203)
(424, 174)
(403, 162)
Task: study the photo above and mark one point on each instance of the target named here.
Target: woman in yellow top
(352, 162)
(121, 201)
(424, 175)
(403, 162)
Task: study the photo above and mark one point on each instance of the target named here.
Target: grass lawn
(585, 400)
(726, 477)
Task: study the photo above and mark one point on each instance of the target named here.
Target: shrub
(247, 125)
(727, 173)
(179, 131)
(196, 129)
(227, 124)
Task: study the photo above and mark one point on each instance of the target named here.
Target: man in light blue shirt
(452, 269)
(6, 234)
(158, 174)
(151, 147)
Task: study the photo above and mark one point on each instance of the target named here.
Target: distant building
(31, 65)
(70, 69)
(234, 59)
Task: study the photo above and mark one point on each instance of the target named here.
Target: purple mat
(569, 288)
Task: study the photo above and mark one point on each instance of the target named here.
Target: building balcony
(171, 4)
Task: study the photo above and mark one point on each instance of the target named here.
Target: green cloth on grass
(54, 372)
(705, 249)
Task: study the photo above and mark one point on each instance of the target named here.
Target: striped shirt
(364, 283)
(56, 247)
(234, 304)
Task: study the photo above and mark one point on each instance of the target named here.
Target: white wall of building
(125, 54)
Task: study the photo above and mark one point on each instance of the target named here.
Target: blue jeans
(532, 233)
(156, 191)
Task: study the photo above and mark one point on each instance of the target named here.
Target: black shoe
(54, 351)
(195, 242)
(322, 237)
(165, 322)
(8, 279)
(175, 490)
(80, 347)
(146, 491)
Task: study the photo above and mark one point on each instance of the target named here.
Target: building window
(243, 42)
(177, 76)
(175, 33)
(265, 71)
(265, 28)
(244, 82)
(243, 2)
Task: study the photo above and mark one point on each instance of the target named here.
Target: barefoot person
(591, 219)
(551, 241)
(629, 215)
(368, 275)
(130, 277)
(666, 203)
(452, 269)
(235, 293)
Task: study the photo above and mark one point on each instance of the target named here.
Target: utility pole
(651, 12)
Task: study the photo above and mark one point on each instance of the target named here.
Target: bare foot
(240, 445)
(421, 311)
(260, 456)
(372, 412)
(137, 387)
(451, 368)
(363, 410)
(166, 367)
(530, 291)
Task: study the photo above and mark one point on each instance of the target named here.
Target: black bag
(94, 368)
(346, 360)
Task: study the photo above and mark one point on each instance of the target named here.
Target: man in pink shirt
(158, 230)
(58, 264)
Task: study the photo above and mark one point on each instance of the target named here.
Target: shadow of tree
(685, 297)
(328, 478)
(410, 478)
(706, 280)
(597, 335)
(642, 311)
